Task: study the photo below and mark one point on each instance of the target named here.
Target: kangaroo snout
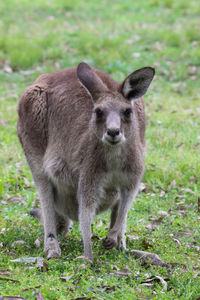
(113, 132)
(112, 136)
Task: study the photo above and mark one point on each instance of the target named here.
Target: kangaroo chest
(115, 174)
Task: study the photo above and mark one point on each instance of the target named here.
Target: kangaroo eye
(127, 112)
(99, 113)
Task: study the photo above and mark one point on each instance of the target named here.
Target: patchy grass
(43, 36)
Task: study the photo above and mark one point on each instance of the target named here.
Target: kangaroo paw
(109, 243)
(52, 248)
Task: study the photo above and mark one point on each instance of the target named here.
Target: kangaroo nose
(113, 132)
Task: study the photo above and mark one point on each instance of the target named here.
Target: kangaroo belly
(109, 189)
(65, 201)
(107, 199)
(65, 186)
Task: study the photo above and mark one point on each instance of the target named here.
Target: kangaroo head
(113, 117)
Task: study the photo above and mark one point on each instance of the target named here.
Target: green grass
(117, 37)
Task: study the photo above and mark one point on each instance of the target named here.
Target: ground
(117, 37)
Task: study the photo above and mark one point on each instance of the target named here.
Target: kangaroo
(83, 137)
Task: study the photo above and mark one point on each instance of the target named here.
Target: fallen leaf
(180, 196)
(149, 227)
(196, 267)
(15, 199)
(51, 18)
(57, 65)
(28, 72)
(2, 229)
(194, 77)
(148, 257)
(37, 243)
(43, 266)
(152, 194)
(12, 298)
(124, 272)
(27, 260)
(7, 69)
(26, 181)
(85, 259)
(40, 296)
(136, 54)
(142, 186)
(156, 279)
(133, 237)
(184, 233)
(164, 283)
(99, 279)
(187, 190)
(162, 193)
(147, 297)
(99, 224)
(192, 180)
(157, 221)
(178, 265)
(158, 46)
(180, 205)
(175, 264)
(162, 213)
(145, 244)
(179, 145)
(31, 288)
(5, 272)
(115, 268)
(3, 122)
(9, 279)
(197, 248)
(107, 288)
(195, 43)
(84, 298)
(172, 185)
(196, 146)
(192, 69)
(66, 278)
(147, 284)
(177, 241)
(196, 275)
(198, 110)
(20, 242)
(82, 266)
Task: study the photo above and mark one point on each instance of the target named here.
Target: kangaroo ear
(137, 83)
(90, 80)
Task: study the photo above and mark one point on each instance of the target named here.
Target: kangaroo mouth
(111, 142)
(114, 142)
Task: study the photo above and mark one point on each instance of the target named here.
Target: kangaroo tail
(36, 213)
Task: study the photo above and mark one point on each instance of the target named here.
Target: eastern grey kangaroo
(83, 137)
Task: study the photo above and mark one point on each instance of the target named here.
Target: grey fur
(84, 142)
